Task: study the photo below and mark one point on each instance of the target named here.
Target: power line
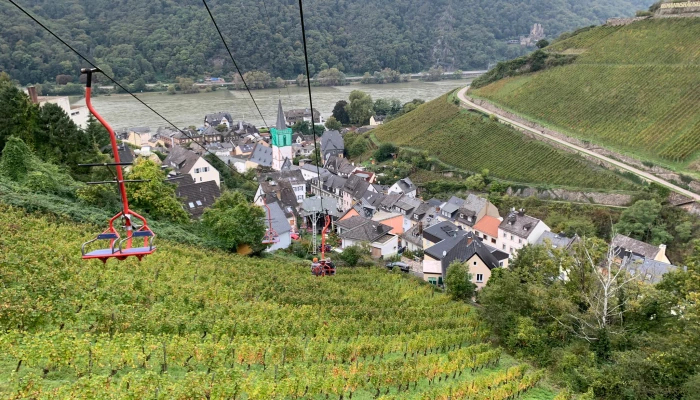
(113, 80)
(311, 103)
(232, 59)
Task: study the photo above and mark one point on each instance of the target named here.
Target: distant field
(634, 88)
(469, 141)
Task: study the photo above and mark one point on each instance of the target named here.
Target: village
(299, 186)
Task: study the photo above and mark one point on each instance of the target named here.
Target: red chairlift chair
(271, 236)
(119, 247)
(324, 266)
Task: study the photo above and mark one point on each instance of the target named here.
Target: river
(123, 111)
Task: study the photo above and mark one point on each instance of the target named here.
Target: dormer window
(461, 215)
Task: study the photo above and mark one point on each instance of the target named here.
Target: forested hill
(163, 39)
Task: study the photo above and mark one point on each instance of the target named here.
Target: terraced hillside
(187, 323)
(634, 88)
(470, 142)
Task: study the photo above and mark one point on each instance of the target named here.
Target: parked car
(402, 265)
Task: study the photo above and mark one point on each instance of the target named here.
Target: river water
(123, 111)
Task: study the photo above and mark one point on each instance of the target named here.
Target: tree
(16, 159)
(97, 133)
(541, 44)
(642, 222)
(139, 85)
(385, 152)
(155, 196)
(333, 124)
(351, 255)
(171, 89)
(360, 109)
(330, 77)
(235, 222)
(476, 182)
(434, 74)
(221, 128)
(339, 112)
(187, 85)
(458, 282)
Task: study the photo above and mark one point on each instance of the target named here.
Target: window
(500, 263)
(474, 262)
(493, 240)
(205, 169)
(191, 205)
(520, 241)
(484, 236)
(511, 237)
(432, 281)
(511, 250)
(504, 247)
(200, 178)
(197, 170)
(440, 281)
(199, 203)
(479, 278)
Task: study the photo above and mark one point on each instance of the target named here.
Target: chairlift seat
(135, 251)
(144, 233)
(100, 253)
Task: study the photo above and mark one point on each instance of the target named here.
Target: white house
(404, 186)
(518, 230)
(357, 230)
(185, 161)
(79, 114)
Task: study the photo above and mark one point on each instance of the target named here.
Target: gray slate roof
(196, 197)
(462, 248)
(628, 245)
(181, 159)
(441, 231)
(648, 270)
(215, 119)
(406, 185)
(279, 220)
(332, 140)
(294, 176)
(140, 129)
(356, 186)
(314, 204)
(519, 224)
(362, 229)
(281, 121)
(261, 155)
(557, 241)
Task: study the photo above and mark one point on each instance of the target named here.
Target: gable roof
(519, 224)
(196, 197)
(332, 140)
(406, 185)
(462, 248)
(356, 186)
(441, 231)
(634, 246)
(488, 225)
(339, 165)
(215, 118)
(646, 269)
(279, 191)
(181, 159)
(556, 240)
(293, 176)
(261, 155)
(279, 220)
(362, 229)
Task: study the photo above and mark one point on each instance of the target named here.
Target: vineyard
(190, 323)
(470, 142)
(635, 88)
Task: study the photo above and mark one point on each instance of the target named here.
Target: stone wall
(608, 199)
(623, 21)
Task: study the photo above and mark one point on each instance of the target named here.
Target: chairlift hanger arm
(119, 181)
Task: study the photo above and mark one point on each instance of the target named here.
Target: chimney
(470, 239)
(32, 94)
(662, 252)
(420, 228)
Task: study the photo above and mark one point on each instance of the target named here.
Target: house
(196, 196)
(238, 163)
(301, 114)
(244, 149)
(473, 209)
(186, 137)
(210, 135)
(184, 161)
(487, 229)
(78, 114)
(391, 219)
(518, 230)
(332, 144)
(269, 182)
(357, 230)
(330, 185)
(216, 119)
(261, 156)
(138, 136)
(219, 148)
(625, 246)
(461, 247)
(377, 120)
(647, 270)
(404, 186)
(557, 240)
(353, 190)
(339, 166)
(311, 171)
(448, 209)
(275, 216)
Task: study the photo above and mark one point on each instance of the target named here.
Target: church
(281, 140)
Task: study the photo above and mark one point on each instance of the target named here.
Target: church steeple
(281, 122)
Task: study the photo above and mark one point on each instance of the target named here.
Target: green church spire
(281, 135)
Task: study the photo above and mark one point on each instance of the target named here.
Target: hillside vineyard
(193, 323)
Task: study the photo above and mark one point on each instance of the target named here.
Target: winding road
(645, 175)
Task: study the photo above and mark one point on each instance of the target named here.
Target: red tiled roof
(488, 225)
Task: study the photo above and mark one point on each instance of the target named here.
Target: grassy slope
(468, 141)
(634, 88)
(84, 330)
